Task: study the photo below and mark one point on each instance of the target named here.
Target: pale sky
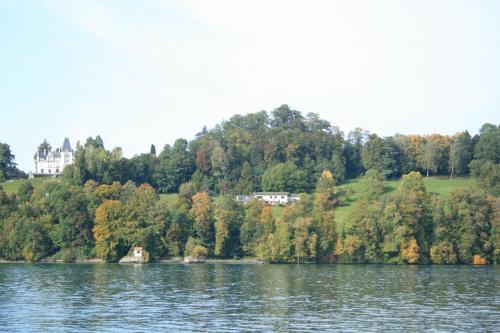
(142, 72)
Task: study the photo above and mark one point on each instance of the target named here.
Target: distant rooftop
(271, 193)
(66, 145)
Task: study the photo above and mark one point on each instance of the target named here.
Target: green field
(12, 186)
(442, 186)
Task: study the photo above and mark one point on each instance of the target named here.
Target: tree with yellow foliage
(202, 213)
(324, 216)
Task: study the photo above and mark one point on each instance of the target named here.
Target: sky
(143, 72)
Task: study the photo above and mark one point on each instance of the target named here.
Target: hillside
(442, 186)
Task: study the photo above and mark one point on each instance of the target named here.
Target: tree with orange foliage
(410, 252)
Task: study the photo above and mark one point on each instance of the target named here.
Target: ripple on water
(233, 298)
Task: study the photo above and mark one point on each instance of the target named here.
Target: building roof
(271, 193)
(66, 145)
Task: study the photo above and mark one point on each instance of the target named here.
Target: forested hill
(104, 205)
(287, 151)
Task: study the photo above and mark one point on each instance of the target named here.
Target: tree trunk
(451, 175)
(427, 173)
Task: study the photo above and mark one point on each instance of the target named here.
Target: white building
(138, 252)
(52, 163)
(272, 198)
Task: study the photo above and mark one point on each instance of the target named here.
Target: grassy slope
(441, 186)
(12, 186)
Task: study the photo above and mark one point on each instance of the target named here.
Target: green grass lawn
(441, 186)
(444, 185)
(169, 198)
(12, 186)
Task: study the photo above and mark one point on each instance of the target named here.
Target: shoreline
(249, 261)
(245, 261)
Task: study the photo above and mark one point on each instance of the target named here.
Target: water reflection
(351, 298)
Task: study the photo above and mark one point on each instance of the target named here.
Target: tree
(371, 153)
(454, 157)
(488, 146)
(324, 216)
(24, 238)
(381, 155)
(463, 152)
(202, 212)
(444, 243)
(302, 238)
(25, 191)
(364, 220)
(66, 208)
(486, 167)
(283, 177)
(407, 222)
(228, 221)
(428, 160)
(252, 230)
(152, 150)
(471, 215)
(411, 150)
(373, 185)
(246, 182)
(108, 230)
(338, 166)
(281, 240)
(176, 166)
(6, 161)
(352, 152)
(195, 249)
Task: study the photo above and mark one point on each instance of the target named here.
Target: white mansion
(52, 163)
(271, 198)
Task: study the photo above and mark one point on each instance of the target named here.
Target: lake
(231, 298)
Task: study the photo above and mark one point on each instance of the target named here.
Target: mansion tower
(52, 163)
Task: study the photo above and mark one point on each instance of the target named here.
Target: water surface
(226, 298)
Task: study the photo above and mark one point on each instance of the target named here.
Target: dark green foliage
(487, 174)
(471, 215)
(488, 146)
(373, 186)
(486, 164)
(381, 155)
(284, 177)
(352, 152)
(228, 221)
(464, 151)
(366, 226)
(8, 169)
(176, 165)
(252, 230)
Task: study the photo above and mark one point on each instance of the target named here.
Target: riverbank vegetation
(364, 199)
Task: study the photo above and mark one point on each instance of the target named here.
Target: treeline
(286, 151)
(8, 168)
(106, 204)
(66, 221)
